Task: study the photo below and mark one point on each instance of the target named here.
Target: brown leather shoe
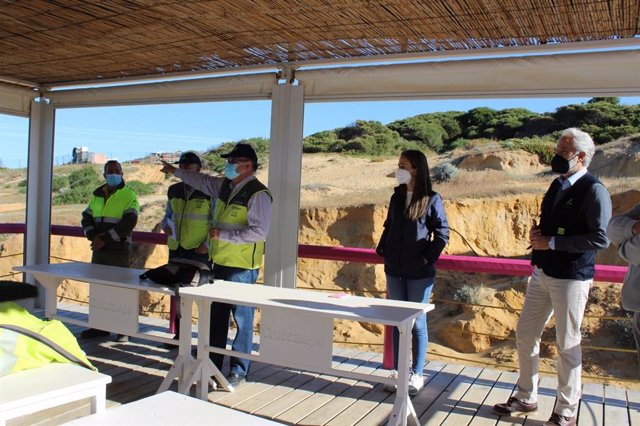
(558, 420)
(513, 406)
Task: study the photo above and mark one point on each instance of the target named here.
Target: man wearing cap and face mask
(239, 226)
(186, 219)
(575, 212)
(108, 222)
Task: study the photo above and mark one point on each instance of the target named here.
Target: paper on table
(339, 295)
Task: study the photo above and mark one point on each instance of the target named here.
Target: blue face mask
(231, 171)
(113, 180)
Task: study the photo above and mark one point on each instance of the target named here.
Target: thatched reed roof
(49, 42)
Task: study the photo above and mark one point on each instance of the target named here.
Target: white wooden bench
(55, 384)
(171, 408)
(113, 296)
(296, 331)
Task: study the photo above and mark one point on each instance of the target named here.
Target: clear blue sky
(127, 133)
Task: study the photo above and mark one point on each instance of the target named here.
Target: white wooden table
(113, 304)
(296, 330)
(54, 384)
(171, 408)
(113, 295)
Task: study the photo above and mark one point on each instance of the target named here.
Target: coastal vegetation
(605, 118)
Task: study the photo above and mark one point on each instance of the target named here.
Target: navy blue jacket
(410, 248)
(568, 217)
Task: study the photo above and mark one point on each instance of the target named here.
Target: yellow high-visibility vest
(190, 215)
(20, 352)
(233, 211)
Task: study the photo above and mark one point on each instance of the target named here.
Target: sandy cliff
(337, 213)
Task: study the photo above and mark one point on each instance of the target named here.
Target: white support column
(38, 220)
(285, 164)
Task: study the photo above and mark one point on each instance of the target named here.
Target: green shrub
(469, 294)
(73, 196)
(81, 184)
(622, 331)
(461, 143)
(141, 188)
(84, 177)
(213, 161)
(59, 182)
(544, 148)
(22, 186)
(444, 172)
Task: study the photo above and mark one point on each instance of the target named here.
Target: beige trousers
(566, 300)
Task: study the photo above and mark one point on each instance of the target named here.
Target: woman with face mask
(415, 233)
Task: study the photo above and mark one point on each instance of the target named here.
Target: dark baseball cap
(242, 150)
(189, 158)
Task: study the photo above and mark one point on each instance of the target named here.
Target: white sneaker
(387, 386)
(416, 383)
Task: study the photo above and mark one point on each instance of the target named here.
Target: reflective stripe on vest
(20, 352)
(120, 202)
(234, 216)
(191, 218)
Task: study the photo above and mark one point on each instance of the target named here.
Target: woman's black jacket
(410, 248)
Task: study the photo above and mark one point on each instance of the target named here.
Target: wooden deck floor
(453, 394)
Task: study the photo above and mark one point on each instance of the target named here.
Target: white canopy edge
(244, 87)
(16, 100)
(591, 45)
(576, 74)
(611, 73)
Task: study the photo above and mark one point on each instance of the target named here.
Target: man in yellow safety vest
(240, 223)
(108, 222)
(186, 220)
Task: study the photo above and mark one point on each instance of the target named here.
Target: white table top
(171, 408)
(99, 274)
(31, 386)
(356, 308)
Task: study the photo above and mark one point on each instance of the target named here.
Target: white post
(40, 161)
(285, 164)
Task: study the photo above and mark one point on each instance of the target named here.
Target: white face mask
(403, 176)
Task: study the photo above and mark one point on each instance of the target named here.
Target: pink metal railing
(486, 265)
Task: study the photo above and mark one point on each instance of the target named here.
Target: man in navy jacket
(574, 215)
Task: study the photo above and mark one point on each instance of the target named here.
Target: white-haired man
(574, 215)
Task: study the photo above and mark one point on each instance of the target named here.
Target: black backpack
(180, 272)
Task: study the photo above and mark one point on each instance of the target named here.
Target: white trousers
(567, 299)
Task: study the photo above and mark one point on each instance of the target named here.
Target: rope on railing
(503, 266)
(466, 332)
(494, 336)
(63, 258)
(456, 302)
(344, 342)
(333, 290)
(10, 255)
(479, 305)
(510, 309)
(548, 342)
(10, 274)
(81, 302)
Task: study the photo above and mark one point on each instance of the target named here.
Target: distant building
(81, 155)
(97, 158)
(167, 156)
